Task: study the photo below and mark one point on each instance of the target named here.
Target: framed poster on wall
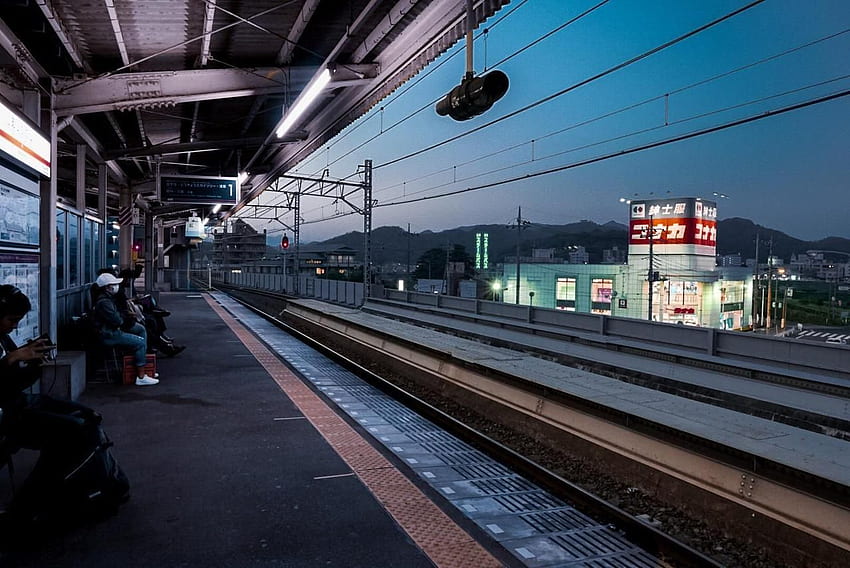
(21, 269)
(19, 212)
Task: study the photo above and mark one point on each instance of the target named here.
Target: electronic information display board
(198, 189)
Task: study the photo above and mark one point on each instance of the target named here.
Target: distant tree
(432, 263)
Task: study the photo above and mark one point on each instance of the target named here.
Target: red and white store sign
(678, 231)
(683, 221)
(23, 142)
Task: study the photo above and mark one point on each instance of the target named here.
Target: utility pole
(409, 279)
(447, 273)
(651, 275)
(755, 280)
(520, 223)
(769, 280)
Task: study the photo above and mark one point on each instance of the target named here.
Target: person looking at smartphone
(61, 430)
(20, 365)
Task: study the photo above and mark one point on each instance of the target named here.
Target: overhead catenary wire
(633, 106)
(622, 152)
(437, 66)
(557, 94)
(575, 86)
(554, 95)
(632, 150)
(491, 171)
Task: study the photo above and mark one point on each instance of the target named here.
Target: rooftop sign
(679, 226)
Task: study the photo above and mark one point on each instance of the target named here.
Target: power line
(446, 60)
(618, 153)
(421, 77)
(644, 102)
(633, 150)
(575, 86)
(619, 137)
(554, 95)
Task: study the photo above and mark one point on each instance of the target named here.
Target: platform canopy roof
(200, 87)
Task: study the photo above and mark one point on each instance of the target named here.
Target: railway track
(802, 518)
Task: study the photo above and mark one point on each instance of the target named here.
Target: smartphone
(51, 353)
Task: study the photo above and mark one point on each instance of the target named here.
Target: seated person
(63, 431)
(108, 318)
(148, 314)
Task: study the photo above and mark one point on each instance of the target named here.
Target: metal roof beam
(126, 91)
(116, 30)
(16, 49)
(179, 148)
(209, 16)
(97, 150)
(308, 10)
(59, 28)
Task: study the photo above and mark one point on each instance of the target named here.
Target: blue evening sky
(788, 172)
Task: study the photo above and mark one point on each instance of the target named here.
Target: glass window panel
(73, 250)
(565, 294)
(88, 257)
(60, 249)
(97, 238)
(601, 290)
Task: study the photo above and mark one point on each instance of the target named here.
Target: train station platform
(817, 454)
(235, 462)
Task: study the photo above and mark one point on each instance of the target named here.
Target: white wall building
(677, 237)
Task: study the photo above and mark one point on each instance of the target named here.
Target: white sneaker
(146, 380)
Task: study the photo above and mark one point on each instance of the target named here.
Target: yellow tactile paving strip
(445, 543)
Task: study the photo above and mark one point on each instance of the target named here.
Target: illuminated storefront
(565, 294)
(677, 237)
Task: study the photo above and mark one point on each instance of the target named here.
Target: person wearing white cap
(108, 318)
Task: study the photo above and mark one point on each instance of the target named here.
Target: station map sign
(201, 190)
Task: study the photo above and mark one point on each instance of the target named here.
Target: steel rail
(801, 504)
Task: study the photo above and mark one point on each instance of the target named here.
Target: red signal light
(284, 242)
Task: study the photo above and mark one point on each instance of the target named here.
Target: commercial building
(671, 275)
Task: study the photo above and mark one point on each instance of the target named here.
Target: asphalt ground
(224, 472)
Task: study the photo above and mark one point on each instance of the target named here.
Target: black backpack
(98, 485)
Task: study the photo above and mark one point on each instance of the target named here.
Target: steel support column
(367, 229)
(296, 234)
(81, 179)
(149, 250)
(125, 236)
(47, 232)
(102, 180)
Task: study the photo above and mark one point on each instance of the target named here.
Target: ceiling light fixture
(305, 99)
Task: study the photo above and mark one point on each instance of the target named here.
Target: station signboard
(201, 190)
(23, 142)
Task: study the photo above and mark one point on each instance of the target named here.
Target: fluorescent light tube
(304, 101)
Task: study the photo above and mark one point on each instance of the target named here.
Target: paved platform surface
(225, 472)
(784, 396)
